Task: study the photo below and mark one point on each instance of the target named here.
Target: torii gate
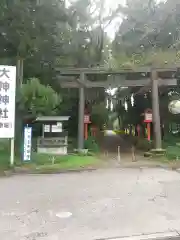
(144, 76)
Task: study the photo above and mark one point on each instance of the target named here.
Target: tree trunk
(19, 118)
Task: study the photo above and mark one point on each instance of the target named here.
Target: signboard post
(27, 143)
(86, 122)
(7, 105)
(148, 120)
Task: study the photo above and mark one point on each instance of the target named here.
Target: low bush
(120, 132)
(91, 145)
(173, 153)
(142, 143)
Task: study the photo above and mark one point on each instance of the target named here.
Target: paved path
(89, 206)
(110, 143)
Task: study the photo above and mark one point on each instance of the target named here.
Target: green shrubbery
(91, 145)
(141, 143)
(144, 144)
(170, 146)
(173, 153)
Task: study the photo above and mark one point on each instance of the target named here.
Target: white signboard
(57, 128)
(46, 128)
(148, 117)
(7, 101)
(27, 143)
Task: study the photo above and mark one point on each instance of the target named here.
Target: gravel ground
(103, 204)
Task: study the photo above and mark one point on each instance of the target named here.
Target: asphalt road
(104, 204)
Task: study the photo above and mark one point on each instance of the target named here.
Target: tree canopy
(49, 34)
(149, 31)
(36, 99)
(149, 34)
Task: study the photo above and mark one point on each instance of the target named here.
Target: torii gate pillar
(81, 114)
(155, 109)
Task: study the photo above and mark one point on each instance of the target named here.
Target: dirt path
(110, 144)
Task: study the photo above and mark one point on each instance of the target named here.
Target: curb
(158, 236)
(21, 171)
(43, 172)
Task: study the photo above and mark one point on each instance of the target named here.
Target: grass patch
(74, 159)
(67, 161)
(4, 154)
(4, 161)
(42, 163)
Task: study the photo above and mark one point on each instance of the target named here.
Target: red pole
(138, 130)
(149, 131)
(86, 131)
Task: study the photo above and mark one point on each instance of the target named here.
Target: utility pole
(81, 114)
(155, 109)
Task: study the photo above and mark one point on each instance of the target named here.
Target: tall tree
(149, 33)
(30, 31)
